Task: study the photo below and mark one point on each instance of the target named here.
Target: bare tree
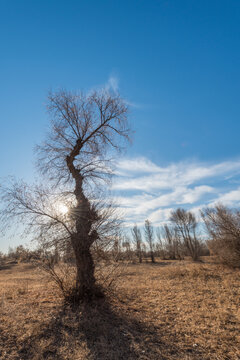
(223, 226)
(117, 248)
(185, 224)
(74, 160)
(137, 239)
(126, 244)
(1, 258)
(149, 236)
(144, 251)
(172, 241)
(160, 246)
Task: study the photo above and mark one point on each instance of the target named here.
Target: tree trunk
(84, 236)
(85, 280)
(82, 240)
(152, 257)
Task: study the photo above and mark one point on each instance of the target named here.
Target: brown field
(170, 310)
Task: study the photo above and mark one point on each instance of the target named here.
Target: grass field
(170, 310)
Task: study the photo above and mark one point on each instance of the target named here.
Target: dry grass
(170, 310)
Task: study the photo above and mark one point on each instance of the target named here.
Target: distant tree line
(180, 237)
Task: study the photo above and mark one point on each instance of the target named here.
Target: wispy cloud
(179, 174)
(112, 84)
(147, 190)
(139, 165)
(231, 198)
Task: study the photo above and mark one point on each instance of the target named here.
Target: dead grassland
(169, 310)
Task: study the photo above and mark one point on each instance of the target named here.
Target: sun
(63, 209)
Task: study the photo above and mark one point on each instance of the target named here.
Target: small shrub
(223, 226)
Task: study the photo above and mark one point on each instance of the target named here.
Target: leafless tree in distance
(172, 241)
(137, 239)
(149, 236)
(185, 224)
(160, 245)
(75, 159)
(223, 227)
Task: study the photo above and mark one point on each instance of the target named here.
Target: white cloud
(160, 216)
(112, 84)
(180, 174)
(140, 206)
(141, 165)
(193, 195)
(147, 190)
(231, 198)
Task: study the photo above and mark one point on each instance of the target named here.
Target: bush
(223, 226)
(185, 225)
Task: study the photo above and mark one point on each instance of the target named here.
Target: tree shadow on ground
(14, 264)
(161, 263)
(8, 266)
(98, 332)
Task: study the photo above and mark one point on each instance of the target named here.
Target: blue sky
(176, 62)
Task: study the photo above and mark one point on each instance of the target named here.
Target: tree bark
(152, 257)
(84, 216)
(85, 280)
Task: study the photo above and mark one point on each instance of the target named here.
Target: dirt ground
(168, 310)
